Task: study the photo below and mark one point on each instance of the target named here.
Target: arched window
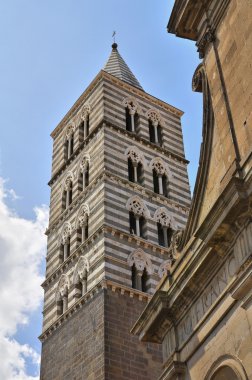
(83, 179)
(155, 130)
(161, 175)
(136, 163)
(131, 114)
(82, 224)
(138, 213)
(62, 295)
(165, 226)
(141, 269)
(67, 197)
(80, 277)
(64, 241)
(84, 124)
(69, 141)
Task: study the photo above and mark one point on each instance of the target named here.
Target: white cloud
(22, 248)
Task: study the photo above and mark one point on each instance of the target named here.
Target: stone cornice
(191, 18)
(106, 175)
(138, 241)
(144, 95)
(107, 123)
(103, 284)
(103, 74)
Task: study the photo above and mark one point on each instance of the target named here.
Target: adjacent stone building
(202, 311)
(119, 191)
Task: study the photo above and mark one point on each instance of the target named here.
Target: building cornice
(102, 285)
(106, 123)
(103, 74)
(138, 241)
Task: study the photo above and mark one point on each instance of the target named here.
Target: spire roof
(117, 66)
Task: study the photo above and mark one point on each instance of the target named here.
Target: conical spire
(117, 66)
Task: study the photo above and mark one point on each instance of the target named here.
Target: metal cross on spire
(113, 35)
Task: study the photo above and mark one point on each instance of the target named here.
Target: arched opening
(59, 306)
(130, 170)
(144, 280)
(225, 373)
(135, 172)
(151, 132)
(155, 182)
(134, 276)
(165, 185)
(164, 235)
(132, 120)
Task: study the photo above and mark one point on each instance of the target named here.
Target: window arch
(84, 122)
(138, 213)
(62, 294)
(67, 197)
(131, 114)
(166, 225)
(82, 223)
(136, 165)
(64, 241)
(155, 129)
(83, 175)
(227, 367)
(161, 176)
(69, 141)
(80, 277)
(141, 269)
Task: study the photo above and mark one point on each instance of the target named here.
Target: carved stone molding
(82, 216)
(165, 268)
(160, 167)
(63, 287)
(135, 155)
(136, 205)
(141, 260)
(155, 117)
(131, 103)
(163, 216)
(81, 269)
(208, 37)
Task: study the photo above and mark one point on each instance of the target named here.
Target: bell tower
(119, 197)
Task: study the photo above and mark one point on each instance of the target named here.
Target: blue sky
(50, 51)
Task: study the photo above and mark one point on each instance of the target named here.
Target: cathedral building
(202, 311)
(119, 194)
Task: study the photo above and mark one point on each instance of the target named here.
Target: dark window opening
(130, 170)
(155, 182)
(160, 235)
(134, 277)
(165, 185)
(142, 226)
(144, 280)
(59, 307)
(151, 132)
(132, 222)
(128, 120)
(159, 133)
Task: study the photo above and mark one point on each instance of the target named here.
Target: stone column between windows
(139, 274)
(137, 225)
(135, 171)
(85, 129)
(132, 122)
(69, 142)
(160, 184)
(156, 132)
(67, 197)
(84, 179)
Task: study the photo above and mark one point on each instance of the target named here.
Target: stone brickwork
(125, 357)
(76, 350)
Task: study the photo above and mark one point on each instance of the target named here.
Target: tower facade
(119, 196)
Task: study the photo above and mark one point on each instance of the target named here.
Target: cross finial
(113, 35)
